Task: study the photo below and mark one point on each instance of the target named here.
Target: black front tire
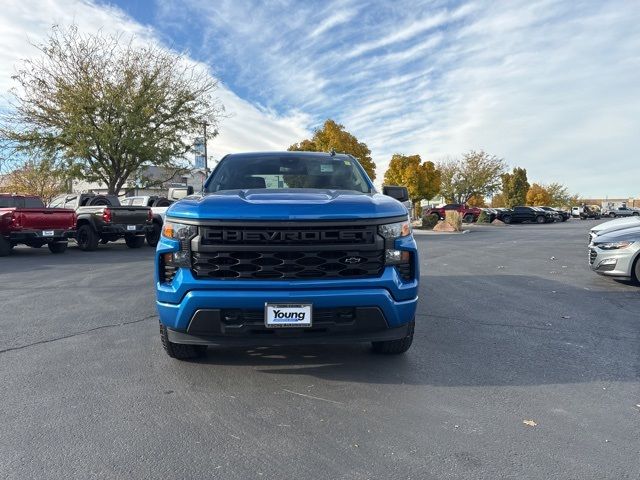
(468, 218)
(87, 238)
(58, 247)
(5, 247)
(540, 219)
(506, 219)
(153, 237)
(395, 347)
(134, 241)
(180, 351)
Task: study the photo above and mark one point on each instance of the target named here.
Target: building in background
(151, 181)
(610, 203)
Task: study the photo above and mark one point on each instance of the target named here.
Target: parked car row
(614, 248)
(519, 214)
(88, 218)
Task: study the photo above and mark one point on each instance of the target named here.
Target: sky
(551, 86)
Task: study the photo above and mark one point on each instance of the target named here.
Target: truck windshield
(282, 172)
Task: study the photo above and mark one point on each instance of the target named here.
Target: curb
(431, 232)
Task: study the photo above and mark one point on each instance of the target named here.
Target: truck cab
(287, 248)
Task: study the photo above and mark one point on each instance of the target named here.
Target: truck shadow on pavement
(507, 330)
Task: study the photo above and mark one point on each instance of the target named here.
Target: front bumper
(613, 263)
(381, 308)
(246, 327)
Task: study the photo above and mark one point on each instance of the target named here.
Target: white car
(617, 254)
(613, 225)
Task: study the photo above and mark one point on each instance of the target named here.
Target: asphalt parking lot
(512, 327)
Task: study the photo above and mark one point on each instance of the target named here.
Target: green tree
(477, 173)
(108, 107)
(538, 195)
(559, 195)
(515, 187)
(422, 179)
(333, 136)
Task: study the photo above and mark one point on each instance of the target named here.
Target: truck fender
(86, 219)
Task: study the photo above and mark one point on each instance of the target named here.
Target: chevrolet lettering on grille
(286, 236)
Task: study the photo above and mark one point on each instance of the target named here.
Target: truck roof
(286, 153)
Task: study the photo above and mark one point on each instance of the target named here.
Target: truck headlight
(402, 259)
(614, 245)
(395, 230)
(183, 233)
(179, 231)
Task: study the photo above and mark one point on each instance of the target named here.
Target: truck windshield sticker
(326, 168)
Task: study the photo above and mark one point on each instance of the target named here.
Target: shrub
(483, 217)
(430, 221)
(454, 219)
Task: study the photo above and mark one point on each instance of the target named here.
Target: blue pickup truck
(287, 248)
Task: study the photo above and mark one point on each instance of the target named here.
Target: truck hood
(291, 204)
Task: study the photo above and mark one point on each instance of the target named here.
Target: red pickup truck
(469, 214)
(24, 219)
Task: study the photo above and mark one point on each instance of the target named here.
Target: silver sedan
(617, 254)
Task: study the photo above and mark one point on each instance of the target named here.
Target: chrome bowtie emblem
(352, 260)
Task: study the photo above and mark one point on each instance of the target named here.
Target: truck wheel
(468, 218)
(154, 236)
(134, 241)
(180, 351)
(540, 219)
(58, 247)
(394, 347)
(612, 215)
(5, 247)
(87, 239)
(635, 214)
(506, 219)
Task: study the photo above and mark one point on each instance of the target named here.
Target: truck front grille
(288, 265)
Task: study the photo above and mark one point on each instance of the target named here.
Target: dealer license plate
(47, 233)
(288, 315)
(131, 227)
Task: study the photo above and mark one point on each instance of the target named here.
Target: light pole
(206, 160)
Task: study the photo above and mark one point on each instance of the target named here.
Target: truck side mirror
(399, 193)
(190, 190)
